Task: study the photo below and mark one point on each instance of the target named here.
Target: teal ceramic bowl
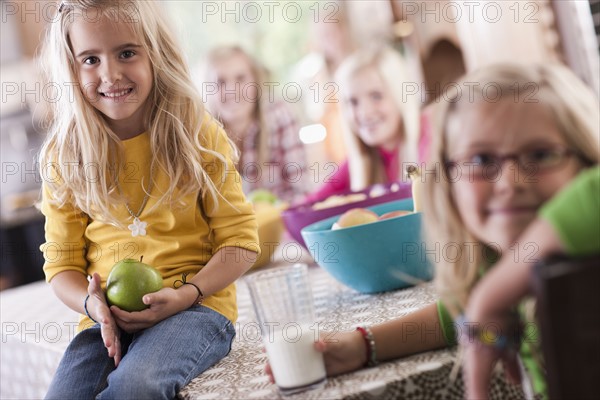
(380, 256)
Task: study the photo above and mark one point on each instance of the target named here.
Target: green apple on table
(262, 196)
(264, 200)
(129, 280)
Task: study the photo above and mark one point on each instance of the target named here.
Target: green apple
(129, 280)
(262, 196)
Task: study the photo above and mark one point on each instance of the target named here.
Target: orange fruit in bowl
(355, 216)
(394, 214)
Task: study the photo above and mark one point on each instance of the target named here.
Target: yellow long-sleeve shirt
(179, 239)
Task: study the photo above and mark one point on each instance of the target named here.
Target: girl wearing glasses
(505, 154)
(568, 224)
(507, 140)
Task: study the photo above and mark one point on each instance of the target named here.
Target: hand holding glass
(283, 302)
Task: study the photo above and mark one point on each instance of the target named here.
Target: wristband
(180, 282)
(200, 296)
(370, 344)
(86, 310)
(472, 333)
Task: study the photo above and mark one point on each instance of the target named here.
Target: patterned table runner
(423, 376)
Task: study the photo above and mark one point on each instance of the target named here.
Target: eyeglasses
(486, 165)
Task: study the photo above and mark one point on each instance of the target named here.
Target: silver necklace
(138, 227)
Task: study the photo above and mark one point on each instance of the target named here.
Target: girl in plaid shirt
(264, 130)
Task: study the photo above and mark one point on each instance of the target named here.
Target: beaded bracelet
(86, 310)
(200, 296)
(499, 341)
(370, 344)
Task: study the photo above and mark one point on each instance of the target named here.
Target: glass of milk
(283, 302)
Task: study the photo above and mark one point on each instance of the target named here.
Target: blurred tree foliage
(276, 32)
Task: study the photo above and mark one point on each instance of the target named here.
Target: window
(276, 32)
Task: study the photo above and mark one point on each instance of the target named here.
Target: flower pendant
(138, 228)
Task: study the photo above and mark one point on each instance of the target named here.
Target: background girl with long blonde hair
(381, 123)
(263, 127)
(133, 166)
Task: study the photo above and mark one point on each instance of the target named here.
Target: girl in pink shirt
(381, 121)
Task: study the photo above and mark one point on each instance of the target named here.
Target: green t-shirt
(575, 215)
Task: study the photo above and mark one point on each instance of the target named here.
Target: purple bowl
(297, 217)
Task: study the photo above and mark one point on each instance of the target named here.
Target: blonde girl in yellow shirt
(133, 166)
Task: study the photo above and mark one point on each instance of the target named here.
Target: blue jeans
(157, 362)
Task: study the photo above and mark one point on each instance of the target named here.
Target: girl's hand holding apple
(137, 298)
(161, 305)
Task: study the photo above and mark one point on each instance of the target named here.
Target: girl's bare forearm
(414, 333)
(71, 288)
(225, 266)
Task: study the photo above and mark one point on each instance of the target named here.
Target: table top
(36, 328)
(241, 375)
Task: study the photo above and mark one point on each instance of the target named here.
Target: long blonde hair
(79, 135)
(259, 77)
(575, 109)
(365, 164)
